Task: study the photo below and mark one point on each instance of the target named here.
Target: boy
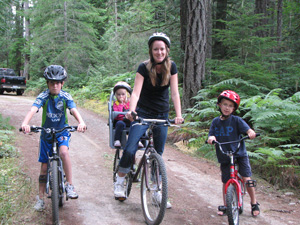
(226, 128)
(54, 102)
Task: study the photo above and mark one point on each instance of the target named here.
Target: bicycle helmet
(231, 96)
(55, 72)
(122, 84)
(159, 36)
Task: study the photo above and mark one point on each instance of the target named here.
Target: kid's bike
(55, 185)
(151, 169)
(235, 186)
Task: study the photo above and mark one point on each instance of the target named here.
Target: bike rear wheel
(116, 164)
(232, 209)
(55, 192)
(154, 189)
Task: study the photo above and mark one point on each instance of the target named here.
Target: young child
(121, 89)
(54, 102)
(226, 128)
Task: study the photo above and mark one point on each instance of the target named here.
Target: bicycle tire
(232, 205)
(154, 172)
(241, 209)
(61, 187)
(55, 192)
(116, 164)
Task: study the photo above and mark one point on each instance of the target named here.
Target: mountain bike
(152, 171)
(235, 187)
(55, 185)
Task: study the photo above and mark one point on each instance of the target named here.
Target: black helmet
(159, 36)
(122, 84)
(55, 72)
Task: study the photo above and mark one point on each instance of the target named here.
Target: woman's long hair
(165, 68)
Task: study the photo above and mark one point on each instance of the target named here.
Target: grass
(15, 186)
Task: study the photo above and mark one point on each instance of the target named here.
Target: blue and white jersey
(54, 110)
(227, 130)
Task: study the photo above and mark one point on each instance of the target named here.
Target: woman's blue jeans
(160, 133)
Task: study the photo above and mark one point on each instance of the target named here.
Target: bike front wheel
(232, 205)
(154, 189)
(55, 192)
(241, 209)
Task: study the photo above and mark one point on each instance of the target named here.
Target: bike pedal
(251, 183)
(222, 208)
(49, 196)
(120, 198)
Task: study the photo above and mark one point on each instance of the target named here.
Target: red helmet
(231, 96)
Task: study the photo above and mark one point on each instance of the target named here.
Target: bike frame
(234, 179)
(149, 149)
(55, 156)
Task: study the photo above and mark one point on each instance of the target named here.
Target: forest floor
(194, 184)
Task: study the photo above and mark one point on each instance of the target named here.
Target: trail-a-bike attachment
(152, 173)
(235, 188)
(55, 186)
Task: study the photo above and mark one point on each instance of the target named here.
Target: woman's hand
(179, 120)
(129, 115)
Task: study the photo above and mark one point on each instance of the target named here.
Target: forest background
(251, 47)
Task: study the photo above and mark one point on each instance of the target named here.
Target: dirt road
(194, 184)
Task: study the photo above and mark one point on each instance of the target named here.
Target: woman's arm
(176, 98)
(134, 98)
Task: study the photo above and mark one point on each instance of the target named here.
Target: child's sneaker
(141, 145)
(117, 144)
(70, 191)
(39, 205)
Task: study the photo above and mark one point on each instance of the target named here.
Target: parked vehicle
(10, 82)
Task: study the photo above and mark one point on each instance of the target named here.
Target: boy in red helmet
(226, 128)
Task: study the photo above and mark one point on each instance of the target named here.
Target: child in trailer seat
(121, 91)
(226, 128)
(55, 102)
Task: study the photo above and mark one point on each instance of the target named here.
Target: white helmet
(159, 36)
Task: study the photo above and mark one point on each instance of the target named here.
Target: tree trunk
(27, 44)
(65, 35)
(195, 48)
(261, 7)
(19, 37)
(221, 14)
(279, 22)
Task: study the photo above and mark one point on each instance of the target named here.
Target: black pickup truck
(10, 82)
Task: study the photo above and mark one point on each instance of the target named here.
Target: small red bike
(235, 186)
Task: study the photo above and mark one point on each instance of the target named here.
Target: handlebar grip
(20, 129)
(173, 121)
(134, 115)
(257, 134)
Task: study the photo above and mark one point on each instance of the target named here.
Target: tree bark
(221, 14)
(27, 43)
(261, 7)
(279, 22)
(195, 49)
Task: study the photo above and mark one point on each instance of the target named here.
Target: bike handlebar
(231, 142)
(36, 129)
(141, 121)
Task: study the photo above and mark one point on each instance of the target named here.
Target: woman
(150, 99)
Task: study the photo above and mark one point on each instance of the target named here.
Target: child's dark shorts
(244, 168)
